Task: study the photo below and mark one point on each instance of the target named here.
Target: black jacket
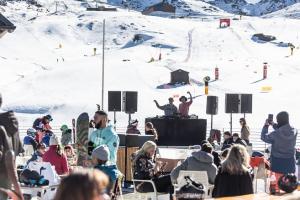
(143, 168)
(227, 143)
(232, 185)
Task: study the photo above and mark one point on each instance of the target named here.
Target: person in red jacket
(56, 157)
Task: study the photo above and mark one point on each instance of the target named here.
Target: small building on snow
(162, 7)
(5, 26)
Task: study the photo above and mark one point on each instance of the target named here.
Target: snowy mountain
(48, 66)
(288, 12)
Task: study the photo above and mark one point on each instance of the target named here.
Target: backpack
(191, 190)
(46, 170)
(32, 178)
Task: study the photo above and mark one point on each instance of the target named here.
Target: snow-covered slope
(38, 77)
(288, 12)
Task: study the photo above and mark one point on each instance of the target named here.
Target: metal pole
(115, 120)
(231, 123)
(211, 122)
(103, 45)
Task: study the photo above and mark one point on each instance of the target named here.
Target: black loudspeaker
(246, 102)
(232, 103)
(212, 105)
(238, 103)
(130, 100)
(114, 101)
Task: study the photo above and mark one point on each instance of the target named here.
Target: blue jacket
(111, 171)
(28, 140)
(46, 139)
(107, 136)
(283, 141)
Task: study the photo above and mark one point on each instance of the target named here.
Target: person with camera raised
(283, 141)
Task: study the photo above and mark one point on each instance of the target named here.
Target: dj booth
(179, 131)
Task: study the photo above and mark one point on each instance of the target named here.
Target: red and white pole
(216, 73)
(265, 73)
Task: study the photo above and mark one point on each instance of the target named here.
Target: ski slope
(38, 77)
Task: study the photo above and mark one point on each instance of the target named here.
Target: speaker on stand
(130, 103)
(114, 103)
(238, 103)
(212, 108)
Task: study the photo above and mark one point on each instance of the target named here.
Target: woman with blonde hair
(145, 168)
(86, 184)
(234, 178)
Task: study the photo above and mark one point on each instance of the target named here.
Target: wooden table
(264, 196)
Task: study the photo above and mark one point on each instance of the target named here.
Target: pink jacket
(59, 162)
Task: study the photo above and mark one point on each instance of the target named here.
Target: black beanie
(282, 118)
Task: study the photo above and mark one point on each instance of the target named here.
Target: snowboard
(82, 131)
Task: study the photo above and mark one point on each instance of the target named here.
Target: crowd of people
(230, 171)
(229, 168)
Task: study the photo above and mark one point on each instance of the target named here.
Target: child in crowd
(71, 156)
(29, 142)
(38, 154)
(100, 157)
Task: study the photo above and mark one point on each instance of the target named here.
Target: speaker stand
(230, 123)
(211, 121)
(115, 120)
(129, 118)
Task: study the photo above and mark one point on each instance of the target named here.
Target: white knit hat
(53, 140)
(101, 153)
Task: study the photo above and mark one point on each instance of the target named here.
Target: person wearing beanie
(55, 157)
(100, 156)
(66, 135)
(29, 143)
(283, 141)
(132, 128)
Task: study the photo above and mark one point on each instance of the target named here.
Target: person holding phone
(283, 141)
(145, 168)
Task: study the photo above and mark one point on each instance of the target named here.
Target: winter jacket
(239, 141)
(245, 133)
(59, 162)
(283, 141)
(46, 139)
(283, 151)
(29, 140)
(132, 130)
(143, 168)
(227, 143)
(199, 161)
(66, 137)
(232, 185)
(107, 136)
(36, 156)
(111, 171)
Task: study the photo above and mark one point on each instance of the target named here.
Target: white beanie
(101, 153)
(53, 140)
